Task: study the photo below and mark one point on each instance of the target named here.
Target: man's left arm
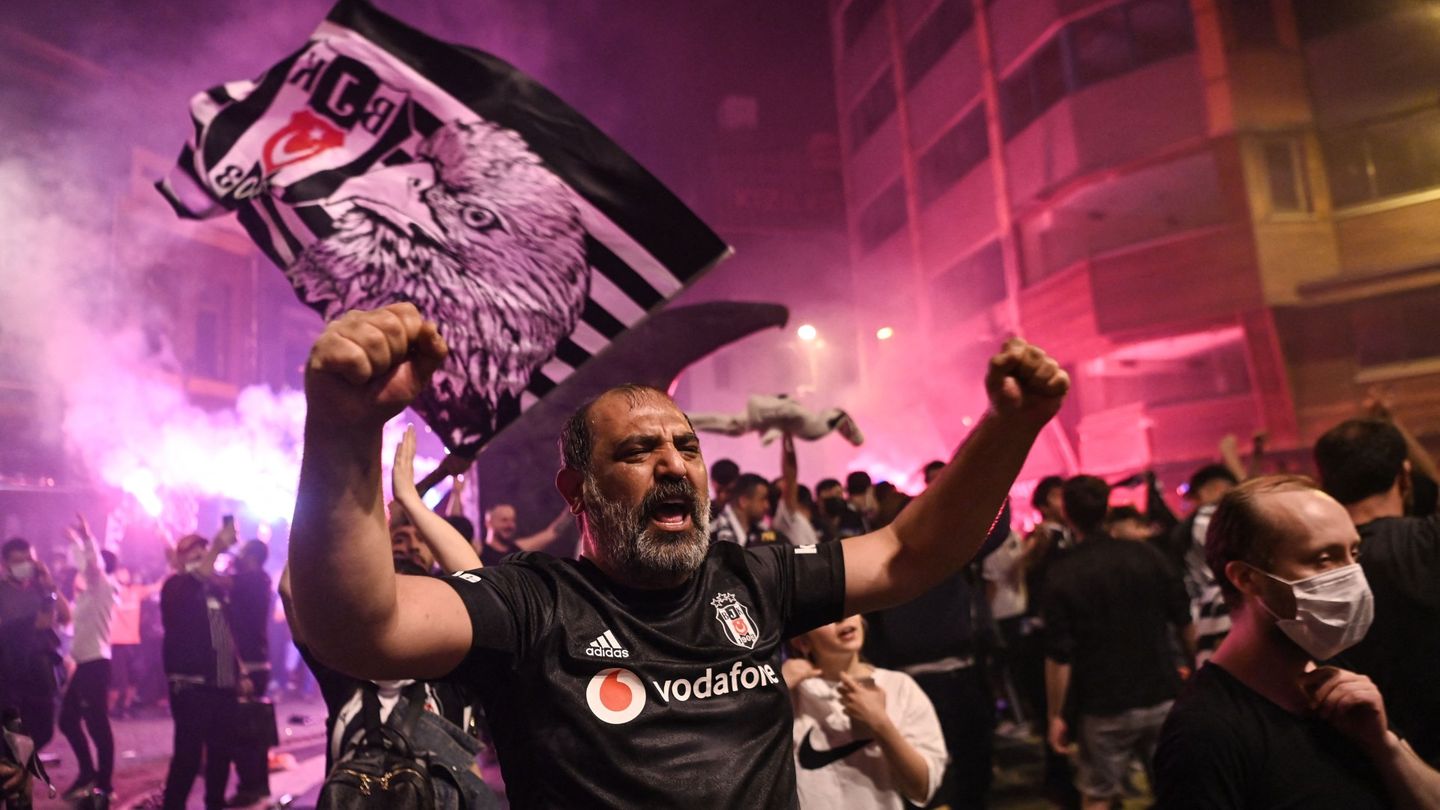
(1352, 704)
(941, 530)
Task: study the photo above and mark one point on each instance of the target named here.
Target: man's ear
(571, 485)
(1242, 576)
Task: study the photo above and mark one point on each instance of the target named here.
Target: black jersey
(603, 696)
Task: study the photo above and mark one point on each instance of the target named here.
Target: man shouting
(647, 672)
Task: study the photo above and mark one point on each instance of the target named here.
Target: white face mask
(1333, 611)
(22, 571)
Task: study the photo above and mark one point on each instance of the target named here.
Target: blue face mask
(1333, 611)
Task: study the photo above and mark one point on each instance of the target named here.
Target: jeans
(85, 702)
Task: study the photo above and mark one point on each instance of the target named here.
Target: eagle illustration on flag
(378, 165)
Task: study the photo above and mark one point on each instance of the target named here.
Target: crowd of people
(726, 638)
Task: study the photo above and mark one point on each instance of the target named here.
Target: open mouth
(672, 514)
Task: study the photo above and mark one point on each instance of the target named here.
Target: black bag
(382, 771)
(255, 722)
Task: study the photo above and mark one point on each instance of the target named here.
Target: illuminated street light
(806, 332)
(884, 333)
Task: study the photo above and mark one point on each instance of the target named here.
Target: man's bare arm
(356, 614)
(539, 540)
(451, 549)
(941, 530)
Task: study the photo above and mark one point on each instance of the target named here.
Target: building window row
(1320, 18)
(960, 149)
(1093, 49)
(969, 286)
(874, 108)
(857, 17)
(1383, 159)
(940, 31)
(882, 217)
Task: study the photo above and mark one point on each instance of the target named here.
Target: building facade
(1211, 211)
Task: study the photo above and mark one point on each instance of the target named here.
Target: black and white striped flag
(377, 164)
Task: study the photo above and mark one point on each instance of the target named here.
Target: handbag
(255, 722)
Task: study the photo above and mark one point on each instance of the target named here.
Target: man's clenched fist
(368, 366)
(1025, 381)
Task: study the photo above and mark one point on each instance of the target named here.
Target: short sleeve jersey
(602, 696)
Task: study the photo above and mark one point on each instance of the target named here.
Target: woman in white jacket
(864, 737)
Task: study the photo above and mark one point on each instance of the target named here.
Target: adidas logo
(606, 645)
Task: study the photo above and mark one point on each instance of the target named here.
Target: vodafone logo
(615, 695)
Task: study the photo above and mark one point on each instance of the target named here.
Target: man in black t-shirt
(1110, 609)
(647, 672)
(1363, 465)
(1259, 726)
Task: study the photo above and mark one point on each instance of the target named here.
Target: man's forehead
(615, 417)
(1308, 518)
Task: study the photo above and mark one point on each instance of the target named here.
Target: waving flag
(377, 165)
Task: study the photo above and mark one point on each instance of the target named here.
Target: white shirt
(862, 780)
(1002, 567)
(794, 526)
(94, 607)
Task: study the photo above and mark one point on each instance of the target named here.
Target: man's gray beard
(644, 552)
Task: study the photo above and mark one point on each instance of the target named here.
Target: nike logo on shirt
(813, 760)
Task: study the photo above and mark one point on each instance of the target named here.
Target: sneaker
(80, 788)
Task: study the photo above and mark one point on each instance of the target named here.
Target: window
(857, 16)
(1017, 102)
(1034, 88)
(1161, 29)
(936, 36)
(874, 108)
(1250, 24)
(958, 151)
(882, 217)
(1100, 46)
(1047, 76)
(1284, 160)
(1319, 18)
(1396, 328)
(969, 286)
(1384, 158)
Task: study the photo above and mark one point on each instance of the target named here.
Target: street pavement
(143, 744)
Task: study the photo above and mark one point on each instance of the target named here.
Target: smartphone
(228, 520)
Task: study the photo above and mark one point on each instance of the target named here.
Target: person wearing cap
(201, 668)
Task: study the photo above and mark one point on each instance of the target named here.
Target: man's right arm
(357, 615)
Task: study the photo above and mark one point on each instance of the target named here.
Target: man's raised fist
(1026, 382)
(368, 366)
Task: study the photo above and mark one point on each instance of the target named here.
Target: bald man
(501, 526)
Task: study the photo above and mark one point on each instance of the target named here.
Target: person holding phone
(865, 737)
(200, 665)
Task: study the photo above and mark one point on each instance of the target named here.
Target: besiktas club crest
(735, 618)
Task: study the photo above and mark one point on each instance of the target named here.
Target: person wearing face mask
(865, 737)
(31, 610)
(1265, 724)
(201, 667)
